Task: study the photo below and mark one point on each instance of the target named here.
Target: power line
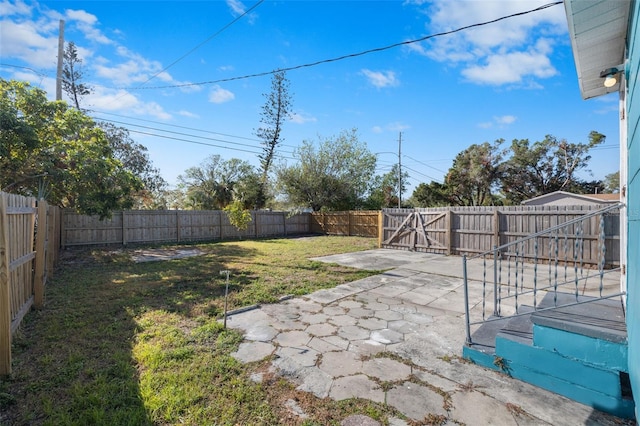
(422, 174)
(424, 164)
(351, 55)
(201, 143)
(24, 68)
(194, 129)
(187, 135)
(258, 3)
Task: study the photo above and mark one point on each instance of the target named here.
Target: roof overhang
(598, 32)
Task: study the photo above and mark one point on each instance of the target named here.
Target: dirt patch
(156, 255)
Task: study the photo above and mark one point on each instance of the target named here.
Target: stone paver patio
(395, 338)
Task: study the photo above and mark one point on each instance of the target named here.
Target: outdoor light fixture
(610, 75)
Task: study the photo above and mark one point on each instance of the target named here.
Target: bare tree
(72, 75)
(274, 112)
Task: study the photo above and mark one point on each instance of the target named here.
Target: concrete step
(577, 351)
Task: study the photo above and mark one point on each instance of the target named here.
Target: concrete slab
(340, 364)
(358, 386)
(359, 420)
(293, 338)
(314, 381)
(304, 356)
(416, 401)
(253, 351)
(477, 408)
(385, 369)
(321, 330)
(325, 340)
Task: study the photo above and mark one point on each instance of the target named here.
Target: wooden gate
(422, 231)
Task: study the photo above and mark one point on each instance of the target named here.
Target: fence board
(356, 223)
(478, 229)
(156, 226)
(22, 262)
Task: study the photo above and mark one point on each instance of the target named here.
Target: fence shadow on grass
(73, 361)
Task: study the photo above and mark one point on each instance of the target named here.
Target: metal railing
(549, 261)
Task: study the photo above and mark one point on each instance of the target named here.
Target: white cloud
(381, 79)
(153, 109)
(395, 127)
(16, 8)
(188, 114)
(86, 22)
(498, 121)
(511, 51)
(105, 99)
(218, 95)
(505, 119)
(301, 118)
(23, 40)
(236, 6)
(510, 68)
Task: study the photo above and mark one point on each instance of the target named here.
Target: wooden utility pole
(60, 62)
(400, 171)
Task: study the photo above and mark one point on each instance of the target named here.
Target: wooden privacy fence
(29, 242)
(180, 226)
(357, 223)
(472, 230)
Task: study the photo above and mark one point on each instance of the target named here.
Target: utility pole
(60, 62)
(400, 171)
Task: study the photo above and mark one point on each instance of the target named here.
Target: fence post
(124, 230)
(63, 232)
(380, 228)
(177, 225)
(220, 222)
(41, 236)
(496, 228)
(255, 223)
(5, 290)
(284, 223)
(449, 231)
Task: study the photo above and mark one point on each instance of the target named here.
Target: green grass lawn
(124, 343)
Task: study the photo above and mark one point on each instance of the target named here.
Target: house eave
(598, 32)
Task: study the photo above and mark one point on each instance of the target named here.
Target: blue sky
(146, 60)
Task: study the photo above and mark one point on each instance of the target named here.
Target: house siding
(633, 202)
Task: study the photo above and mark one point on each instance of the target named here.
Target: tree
(336, 176)
(135, 159)
(72, 75)
(612, 183)
(545, 166)
(384, 189)
(211, 185)
(433, 194)
(274, 112)
(474, 174)
(59, 153)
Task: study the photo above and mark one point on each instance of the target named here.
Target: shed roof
(598, 198)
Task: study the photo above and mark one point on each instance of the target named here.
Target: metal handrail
(519, 288)
(553, 228)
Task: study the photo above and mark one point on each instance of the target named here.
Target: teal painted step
(475, 354)
(624, 408)
(617, 406)
(603, 353)
(547, 363)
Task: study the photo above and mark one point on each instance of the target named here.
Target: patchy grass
(130, 343)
